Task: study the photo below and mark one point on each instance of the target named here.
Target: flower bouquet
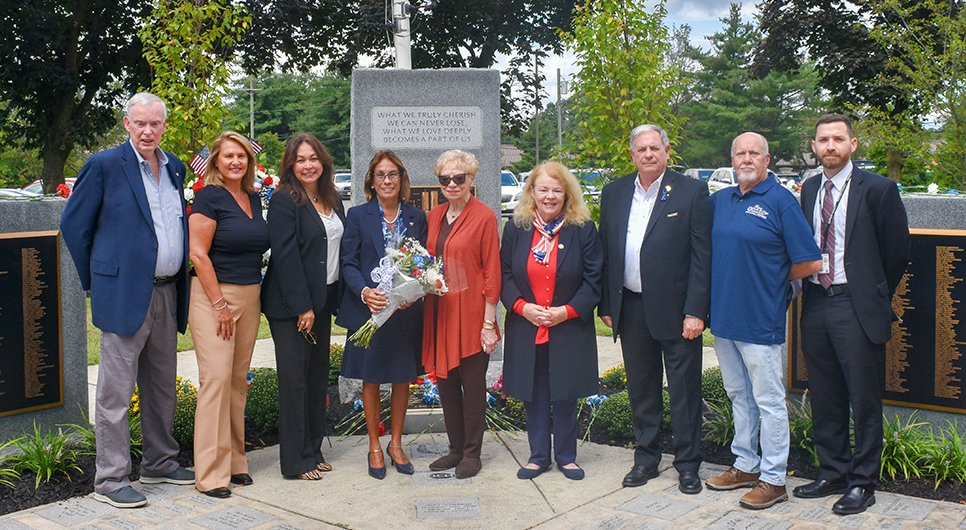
(405, 275)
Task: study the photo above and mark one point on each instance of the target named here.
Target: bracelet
(224, 307)
(362, 295)
(216, 302)
(489, 324)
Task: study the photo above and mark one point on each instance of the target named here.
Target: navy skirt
(395, 353)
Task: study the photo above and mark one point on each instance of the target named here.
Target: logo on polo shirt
(757, 211)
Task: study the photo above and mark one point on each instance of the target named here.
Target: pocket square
(673, 214)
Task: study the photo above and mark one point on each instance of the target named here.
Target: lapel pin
(560, 246)
(666, 194)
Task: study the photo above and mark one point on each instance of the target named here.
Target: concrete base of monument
(419, 421)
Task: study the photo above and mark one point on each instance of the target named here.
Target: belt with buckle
(165, 280)
(833, 290)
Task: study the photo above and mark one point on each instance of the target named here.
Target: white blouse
(333, 233)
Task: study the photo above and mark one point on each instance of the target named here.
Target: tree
(926, 59)
(188, 45)
(526, 141)
(300, 34)
(624, 79)
(729, 99)
(67, 66)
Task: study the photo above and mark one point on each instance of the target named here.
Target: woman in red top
(459, 328)
(552, 271)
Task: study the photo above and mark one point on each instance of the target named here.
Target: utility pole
(536, 104)
(559, 117)
(400, 34)
(251, 106)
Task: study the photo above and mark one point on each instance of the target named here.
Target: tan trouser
(222, 369)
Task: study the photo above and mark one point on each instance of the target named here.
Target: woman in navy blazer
(299, 294)
(552, 265)
(393, 355)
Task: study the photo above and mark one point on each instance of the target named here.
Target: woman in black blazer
(393, 355)
(299, 294)
(552, 265)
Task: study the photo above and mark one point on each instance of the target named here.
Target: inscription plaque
(925, 360)
(436, 128)
(31, 360)
(428, 197)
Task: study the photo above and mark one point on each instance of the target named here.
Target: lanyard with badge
(826, 225)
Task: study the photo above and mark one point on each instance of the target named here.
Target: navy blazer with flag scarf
(573, 342)
(362, 248)
(109, 231)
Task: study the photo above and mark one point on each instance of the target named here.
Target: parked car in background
(699, 173)
(510, 191)
(37, 188)
(523, 176)
(343, 184)
(809, 173)
(724, 177)
(591, 180)
(788, 177)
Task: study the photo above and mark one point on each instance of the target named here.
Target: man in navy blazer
(126, 230)
(655, 226)
(859, 222)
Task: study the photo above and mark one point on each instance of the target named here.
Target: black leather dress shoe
(855, 500)
(688, 482)
(819, 488)
(242, 479)
(639, 475)
(218, 493)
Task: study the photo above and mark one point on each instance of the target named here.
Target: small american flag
(257, 147)
(200, 161)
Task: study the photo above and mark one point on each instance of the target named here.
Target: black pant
(303, 374)
(845, 370)
(547, 418)
(463, 397)
(645, 371)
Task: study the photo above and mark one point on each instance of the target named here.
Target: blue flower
(490, 400)
(596, 400)
(357, 405)
(952, 191)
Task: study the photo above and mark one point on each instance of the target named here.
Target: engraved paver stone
(10, 524)
(654, 505)
(747, 521)
(902, 507)
(236, 517)
(615, 522)
(428, 450)
(448, 508)
(125, 523)
(75, 511)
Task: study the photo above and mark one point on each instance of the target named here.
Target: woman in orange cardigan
(459, 328)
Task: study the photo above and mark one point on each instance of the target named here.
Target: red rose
(198, 185)
(439, 284)
(382, 429)
(431, 376)
(188, 210)
(418, 272)
(419, 381)
(267, 181)
(63, 191)
(260, 167)
(403, 250)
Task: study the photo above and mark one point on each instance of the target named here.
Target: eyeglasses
(309, 336)
(387, 176)
(459, 179)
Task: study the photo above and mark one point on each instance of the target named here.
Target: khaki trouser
(222, 370)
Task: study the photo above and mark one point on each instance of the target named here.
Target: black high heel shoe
(375, 472)
(405, 469)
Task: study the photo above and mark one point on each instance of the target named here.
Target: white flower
(933, 188)
(189, 194)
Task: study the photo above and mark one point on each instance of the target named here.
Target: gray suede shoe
(180, 476)
(126, 497)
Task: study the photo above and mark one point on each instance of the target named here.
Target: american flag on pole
(200, 161)
(257, 147)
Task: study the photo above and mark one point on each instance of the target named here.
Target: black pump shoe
(405, 469)
(375, 472)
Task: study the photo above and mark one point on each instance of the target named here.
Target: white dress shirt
(164, 201)
(641, 207)
(838, 186)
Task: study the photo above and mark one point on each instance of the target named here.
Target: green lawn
(184, 341)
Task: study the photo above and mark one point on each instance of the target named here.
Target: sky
(702, 15)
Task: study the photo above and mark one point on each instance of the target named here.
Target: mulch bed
(80, 483)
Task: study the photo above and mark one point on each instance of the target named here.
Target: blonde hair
(213, 176)
(574, 207)
(465, 161)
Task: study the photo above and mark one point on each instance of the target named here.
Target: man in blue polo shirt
(759, 241)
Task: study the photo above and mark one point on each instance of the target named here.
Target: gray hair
(764, 141)
(145, 98)
(641, 129)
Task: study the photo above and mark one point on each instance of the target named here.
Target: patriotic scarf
(548, 231)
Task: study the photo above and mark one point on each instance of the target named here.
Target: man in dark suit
(859, 222)
(126, 229)
(655, 226)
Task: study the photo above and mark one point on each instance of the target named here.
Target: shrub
(947, 460)
(262, 405)
(719, 422)
(45, 454)
(614, 416)
(7, 473)
(184, 413)
(335, 362)
(614, 378)
(665, 410)
(904, 448)
(801, 428)
(712, 386)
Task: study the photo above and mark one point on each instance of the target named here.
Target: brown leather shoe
(732, 479)
(763, 495)
(468, 467)
(445, 462)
